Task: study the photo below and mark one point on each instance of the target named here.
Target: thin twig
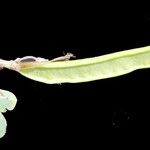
(9, 64)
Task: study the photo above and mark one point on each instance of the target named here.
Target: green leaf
(88, 69)
(3, 125)
(7, 102)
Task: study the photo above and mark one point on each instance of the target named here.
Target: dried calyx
(15, 64)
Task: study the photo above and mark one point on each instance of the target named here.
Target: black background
(70, 113)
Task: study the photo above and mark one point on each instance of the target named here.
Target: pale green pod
(88, 69)
(7, 102)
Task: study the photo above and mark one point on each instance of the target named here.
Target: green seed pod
(89, 69)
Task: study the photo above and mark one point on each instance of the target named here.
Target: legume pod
(89, 69)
